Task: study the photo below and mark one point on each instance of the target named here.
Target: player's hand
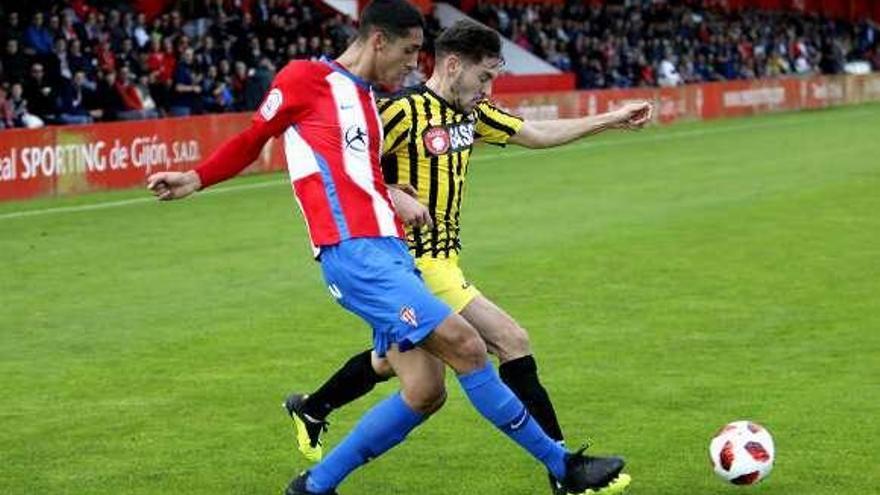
(634, 115)
(173, 185)
(407, 188)
(409, 209)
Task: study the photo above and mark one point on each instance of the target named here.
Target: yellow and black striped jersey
(428, 144)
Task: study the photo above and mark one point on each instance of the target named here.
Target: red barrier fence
(74, 159)
(531, 83)
(61, 160)
(704, 101)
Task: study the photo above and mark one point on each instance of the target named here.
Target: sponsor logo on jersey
(356, 139)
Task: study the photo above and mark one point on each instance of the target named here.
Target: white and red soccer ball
(742, 452)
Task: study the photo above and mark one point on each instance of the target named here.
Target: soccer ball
(742, 452)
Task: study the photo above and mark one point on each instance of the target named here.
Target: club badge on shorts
(408, 316)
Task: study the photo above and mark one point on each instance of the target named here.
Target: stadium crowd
(70, 62)
(73, 63)
(650, 43)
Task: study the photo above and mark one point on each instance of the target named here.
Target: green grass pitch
(672, 280)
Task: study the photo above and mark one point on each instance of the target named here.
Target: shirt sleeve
(287, 100)
(283, 105)
(495, 126)
(396, 120)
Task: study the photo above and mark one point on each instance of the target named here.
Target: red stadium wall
(62, 160)
(520, 83)
(76, 159)
(704, 101)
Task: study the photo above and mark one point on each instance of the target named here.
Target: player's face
(398, 57)
(473, 82)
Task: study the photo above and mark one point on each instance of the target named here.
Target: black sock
(521, 375)
(354, 380)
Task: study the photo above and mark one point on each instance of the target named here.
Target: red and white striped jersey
(332, 135)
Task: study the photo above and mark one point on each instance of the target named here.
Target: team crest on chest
(440, 140)
(436, 140)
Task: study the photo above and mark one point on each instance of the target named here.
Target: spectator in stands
(90, 29)
(72, 107)
(126, 56)
(22, 117)
(15, 63)
(209, 54)
(105, 55)
(68, 31)
(160, 61)
(134, 97)
(13, 27)
(258, 84)
(58, 64)
(667, 73)
(186, 89)
(7, 114)
(40, 94)
(224, 70)
(111, 103)
(238, 83)
(79, 61)
(37, 39)
(216, 96)
(139, 31)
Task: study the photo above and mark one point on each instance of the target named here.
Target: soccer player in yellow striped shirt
(430, 131)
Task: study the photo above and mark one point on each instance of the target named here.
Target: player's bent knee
(458, 344)
(514, 344)
(472, 348)
(427, 398)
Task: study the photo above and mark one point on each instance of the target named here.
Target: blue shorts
(376, 278)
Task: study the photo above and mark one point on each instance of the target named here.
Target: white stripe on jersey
(301, 160)
(356, 146)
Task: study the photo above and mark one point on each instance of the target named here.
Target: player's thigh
(421, 378)
(458, 344)
(503, 335)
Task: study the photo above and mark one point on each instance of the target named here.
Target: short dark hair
(393, 17)
(470, 40)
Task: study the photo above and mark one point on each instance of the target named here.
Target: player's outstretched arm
(228, 160)
(549, 133)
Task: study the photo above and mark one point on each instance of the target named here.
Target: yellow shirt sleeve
(495, 126)
(396, 121)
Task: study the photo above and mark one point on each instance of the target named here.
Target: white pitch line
(795, 120)
(125, 202)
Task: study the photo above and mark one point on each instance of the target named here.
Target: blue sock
(491, 397)
(382, 427)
